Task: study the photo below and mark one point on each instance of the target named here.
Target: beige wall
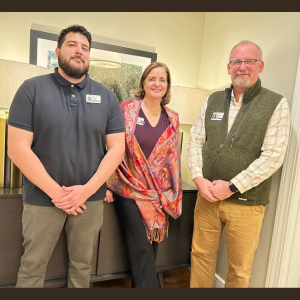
(176, 37)
(278, 34)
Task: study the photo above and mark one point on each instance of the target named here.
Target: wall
(176, 38)
(278, 35)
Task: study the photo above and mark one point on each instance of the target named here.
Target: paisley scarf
(154, 183)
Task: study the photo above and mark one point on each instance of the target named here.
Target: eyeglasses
(248, 62)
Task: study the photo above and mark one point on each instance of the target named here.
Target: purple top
(146, 135)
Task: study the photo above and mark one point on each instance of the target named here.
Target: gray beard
(241, 82)
(70, 70)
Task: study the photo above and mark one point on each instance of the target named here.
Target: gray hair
(244, 42)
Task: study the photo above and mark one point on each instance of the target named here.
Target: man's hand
(73, 202)
(220, 189)
(203, 185)
(109, 196)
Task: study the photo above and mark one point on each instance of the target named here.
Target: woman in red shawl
(147, 184)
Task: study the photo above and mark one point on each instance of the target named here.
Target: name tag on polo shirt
(217, 116)
(93, 98)
(140, 121)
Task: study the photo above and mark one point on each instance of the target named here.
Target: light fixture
(101, 63)
(109, 59)
(12, 75)
(186, 102)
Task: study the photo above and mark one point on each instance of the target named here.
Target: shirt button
(72, 85)
(73, 95)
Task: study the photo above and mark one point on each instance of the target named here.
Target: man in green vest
(237, 142)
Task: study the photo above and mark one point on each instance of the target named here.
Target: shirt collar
(233, 99)
(249, 93)
(64, 82)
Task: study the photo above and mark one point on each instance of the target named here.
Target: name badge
(93, 98)
(140, 121)
(217, 116)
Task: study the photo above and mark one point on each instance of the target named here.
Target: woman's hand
(109, 196)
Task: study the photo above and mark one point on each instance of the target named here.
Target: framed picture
(118, 68)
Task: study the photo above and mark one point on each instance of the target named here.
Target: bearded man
(66, 135)
(237, 142)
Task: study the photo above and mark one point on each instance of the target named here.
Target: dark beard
(72, 71)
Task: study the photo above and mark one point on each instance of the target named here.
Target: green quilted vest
(226, 155)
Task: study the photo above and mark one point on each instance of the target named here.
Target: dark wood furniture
(110, 260)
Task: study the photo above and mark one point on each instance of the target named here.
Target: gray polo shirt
(69, 124)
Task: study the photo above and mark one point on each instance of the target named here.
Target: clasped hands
(213, 191)
(72, 199)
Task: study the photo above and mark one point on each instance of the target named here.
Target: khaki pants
(41, 229)
(242, 229)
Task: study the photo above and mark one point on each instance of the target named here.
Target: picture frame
(116, 67)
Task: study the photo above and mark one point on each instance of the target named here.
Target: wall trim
(219, 282)
(284, 259)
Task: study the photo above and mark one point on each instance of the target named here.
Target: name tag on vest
(217, 116)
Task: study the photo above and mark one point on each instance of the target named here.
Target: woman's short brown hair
(140, 93)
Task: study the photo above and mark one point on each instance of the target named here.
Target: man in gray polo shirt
(66, 134)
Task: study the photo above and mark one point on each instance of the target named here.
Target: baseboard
(219, 282)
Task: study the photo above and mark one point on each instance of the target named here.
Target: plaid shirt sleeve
(272, 151)
(196, 142)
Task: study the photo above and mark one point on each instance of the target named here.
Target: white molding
(284, 261)
(219, 282)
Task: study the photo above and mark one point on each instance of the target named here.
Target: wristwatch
(232, 187)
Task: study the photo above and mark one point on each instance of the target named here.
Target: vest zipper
(217, 161)
(233, 137)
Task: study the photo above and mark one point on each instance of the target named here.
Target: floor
(176, 278)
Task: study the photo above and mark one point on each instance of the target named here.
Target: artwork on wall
(118, 68)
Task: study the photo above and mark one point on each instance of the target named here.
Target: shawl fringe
(157, 234)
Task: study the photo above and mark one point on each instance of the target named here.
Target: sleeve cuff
(239, 186)
(197, 174)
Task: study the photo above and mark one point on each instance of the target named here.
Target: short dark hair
(73, 28)
(140, 93)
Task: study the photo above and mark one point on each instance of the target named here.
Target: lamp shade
(12, 75)
(186, 102)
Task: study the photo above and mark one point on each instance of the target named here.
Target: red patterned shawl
(155, 184)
